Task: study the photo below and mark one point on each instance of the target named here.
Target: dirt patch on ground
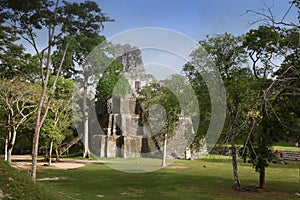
(23, 162)
(52, 178)
(174, 166)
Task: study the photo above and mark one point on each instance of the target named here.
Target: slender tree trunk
(86, 152)
(36, 135)
(11, 143)
(9, 152)
(39, 119)
(42, 101)
(46, 157)
(8, 157)
(236, 179)
(7, 139)
(164, 163)
(6, 149)
(263, 148)
(262, 178)
(35, 149)
(50, 153)
(57, 154)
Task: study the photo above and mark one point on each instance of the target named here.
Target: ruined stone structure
(119, 117)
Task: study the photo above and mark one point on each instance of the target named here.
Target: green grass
(208, 178)
(287, 148)
(16, 185)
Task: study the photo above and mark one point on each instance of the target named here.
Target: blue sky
(195, 18)
(191, 18)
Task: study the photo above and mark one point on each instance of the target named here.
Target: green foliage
(13, 59)
(161, 107)
(18, 104)
(228, 55)
(52, 131)
(198, 84)
(121, 88)
(287, 99)
(64, 88)
(112, 82)
(226, 51)
(262, 43)
(79, 48)
(76, 25)
(74, 17)
(58, 124)
(172, 108)
(239, 104)
(275, 122)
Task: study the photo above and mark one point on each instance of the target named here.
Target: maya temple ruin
(119, 118)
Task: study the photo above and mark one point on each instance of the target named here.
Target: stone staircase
(291, 155)
(285, 155)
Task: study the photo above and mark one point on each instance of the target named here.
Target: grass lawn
(208, 178)
(287, 148)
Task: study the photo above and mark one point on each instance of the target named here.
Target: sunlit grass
(286, 148)
(207, 178)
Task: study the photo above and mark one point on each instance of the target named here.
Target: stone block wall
(98, 145)
(132, 146)
(111, 147)
(291, 155)
(182, 138)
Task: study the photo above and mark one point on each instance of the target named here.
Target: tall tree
(265, 45)
(58, 122)
(261, 43)
(85, 61)
(28, 19)
(18, 103)
(199, 86)
(162, 107)
(229, 56)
